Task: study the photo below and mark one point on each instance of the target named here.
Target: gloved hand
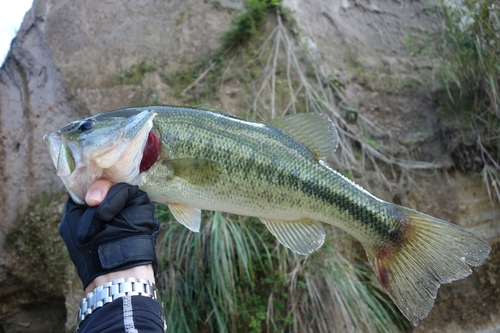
(119, 233)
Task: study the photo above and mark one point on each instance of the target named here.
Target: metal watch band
(117, 288)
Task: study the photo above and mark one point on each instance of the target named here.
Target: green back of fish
(216, 161)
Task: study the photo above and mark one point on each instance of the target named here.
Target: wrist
(138, 272)
(124, 289)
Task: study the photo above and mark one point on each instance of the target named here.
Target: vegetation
(35, 247)
(247, 24)
(134, 73)
(197, 83)
(468, 44)
(234, 275)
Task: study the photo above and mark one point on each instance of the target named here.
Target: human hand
(97, 192)
(116, 238)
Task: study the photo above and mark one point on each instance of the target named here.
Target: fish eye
(85, 125)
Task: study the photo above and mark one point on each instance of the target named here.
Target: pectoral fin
(194, 170)
(302, 236)
(190, 217)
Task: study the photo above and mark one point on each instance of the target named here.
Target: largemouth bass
(194, 159)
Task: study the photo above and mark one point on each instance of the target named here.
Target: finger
(78, 221)
(118, 196)
(88, 226)
(140, 212)
(97, 192)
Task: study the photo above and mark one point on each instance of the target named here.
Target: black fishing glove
(119, 233)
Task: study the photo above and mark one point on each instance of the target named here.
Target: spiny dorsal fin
(314, 130)
(301, 236)
(210, 107)
(190, 217)
(194, 170)
(217, 109)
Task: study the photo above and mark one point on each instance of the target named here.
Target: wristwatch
(117, 288)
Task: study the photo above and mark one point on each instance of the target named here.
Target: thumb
(97, 192)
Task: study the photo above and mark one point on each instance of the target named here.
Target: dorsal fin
(314, 130)
(217, 109)
(210, 107)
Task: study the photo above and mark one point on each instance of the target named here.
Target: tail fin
(436, 252)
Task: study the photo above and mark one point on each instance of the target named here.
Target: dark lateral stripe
(346, 201)
(343, 200)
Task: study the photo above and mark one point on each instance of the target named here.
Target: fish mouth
(79, 164)
(150, 153)
(53, 142)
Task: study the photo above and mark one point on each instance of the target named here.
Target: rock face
(33, 99)
(59, 69)
(66, 57)
(65, 63)
(369, 35)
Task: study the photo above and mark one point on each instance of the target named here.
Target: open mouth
(151, 152)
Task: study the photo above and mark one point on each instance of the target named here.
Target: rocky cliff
(72, 59)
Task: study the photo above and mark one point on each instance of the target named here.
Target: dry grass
(233, 273)
(468, 45)
(331, 290)
(285, 77)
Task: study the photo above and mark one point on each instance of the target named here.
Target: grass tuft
(468, 45)
(134, 73)
(247, 24)
(234, 276)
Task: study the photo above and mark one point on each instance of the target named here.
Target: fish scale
(274, 171)
(269, 168)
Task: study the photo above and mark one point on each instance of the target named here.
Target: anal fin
(301, 236)
(188, 216)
